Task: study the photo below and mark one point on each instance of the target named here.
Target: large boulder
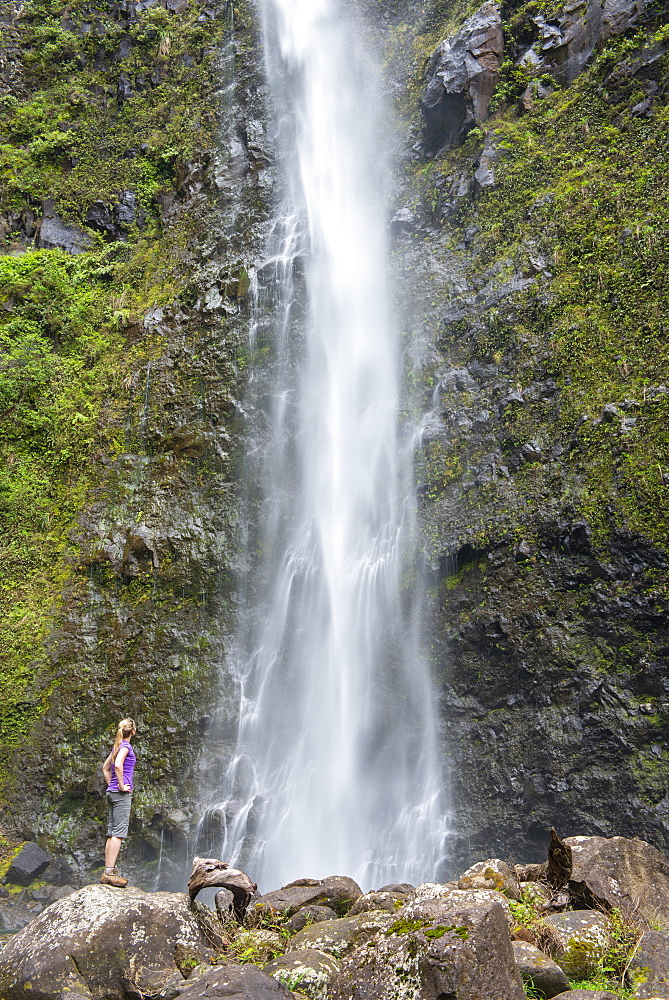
(585, 938)
(307, 970)
(383, 899)
(337, 891)
(615, 872)
(447, 896)
(235, 982)
(462, 75)
(586, 995)
(28, 864)
(309, 915)
(447, 943)
(541, 972)
(492, 874)
(338, 937)
(105, 942)
(13, 916)
(649, 969)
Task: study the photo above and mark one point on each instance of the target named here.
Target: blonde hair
(125, 728)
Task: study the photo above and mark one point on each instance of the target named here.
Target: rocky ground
(530, 243)
(589, 923)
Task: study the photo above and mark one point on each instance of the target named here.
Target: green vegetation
(407, 926)
(609, 966)
(8, 851)
(579, 209)
(256, 947)
(434, 933)
(95, 110)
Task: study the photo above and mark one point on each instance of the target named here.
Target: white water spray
(336, 769)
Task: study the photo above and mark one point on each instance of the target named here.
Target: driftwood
(559, 862)
(209, 872)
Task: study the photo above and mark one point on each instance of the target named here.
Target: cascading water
(336, 768)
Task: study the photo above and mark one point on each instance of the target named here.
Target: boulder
(338, 937)
(390, 900)
(462, 75)
(540, 971)
(649, 969)
(28, 865)
(493, 874)
(60, 872)
(532, 872)
(586, 995)
(48, 894)
(235, 982)
(306, 970)
(310, 915)
(621, 873)
(13, 916)
(585, 938)
(105, 942)
(257, 945)
(448, 896)
(337, 891)
(450, 943)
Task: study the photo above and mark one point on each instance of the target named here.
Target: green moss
(434, 933)
(8, 851)
(406, 926)
(581, 183)
(71, 342)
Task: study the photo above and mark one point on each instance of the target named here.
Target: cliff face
(533, 240)
(135, 185)
(530, 248)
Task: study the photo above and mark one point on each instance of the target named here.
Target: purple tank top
(128, 769)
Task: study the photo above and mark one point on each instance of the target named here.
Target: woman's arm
(118, 767)
(107, 769)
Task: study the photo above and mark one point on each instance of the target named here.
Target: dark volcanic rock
(13, 916)
(649, 968)
(461, 78)
(29, 864)
(585, 936)
(444, 943)
(388, 899)
(104, 941)
(313, 970)
(336, 891)
(537, 968)
(61, 872)
(565, 44)
(339, 937)
(55, 233)
(491, 874)
(586, 995)
(629, 875)
(235, 983)
(310, 914)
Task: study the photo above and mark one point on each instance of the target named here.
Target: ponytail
(125, 728)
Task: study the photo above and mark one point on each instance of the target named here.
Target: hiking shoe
(113, 878)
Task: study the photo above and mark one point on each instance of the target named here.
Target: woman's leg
(112, 847)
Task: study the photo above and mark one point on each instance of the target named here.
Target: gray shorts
(119, 813)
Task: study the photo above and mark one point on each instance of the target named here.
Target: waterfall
(336, 769)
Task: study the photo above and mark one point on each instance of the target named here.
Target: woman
(118, 771)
